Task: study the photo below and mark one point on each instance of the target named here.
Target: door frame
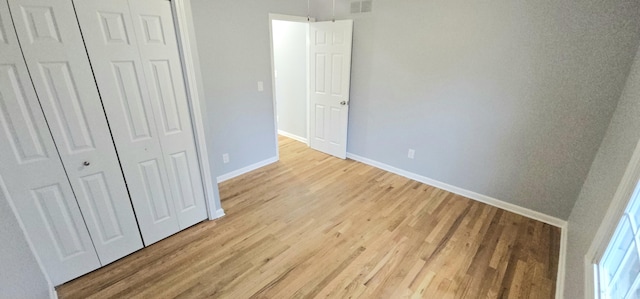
(609, 224)
(288, 18)
(187, 48)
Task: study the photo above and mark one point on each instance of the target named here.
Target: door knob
(86, 163)
(343, 103)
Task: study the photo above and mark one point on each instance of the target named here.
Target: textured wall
(234, 49)
(290, 62)
(509, 99)
(603, 180)
(20, 276)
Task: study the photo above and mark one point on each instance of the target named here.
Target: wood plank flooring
(312, 225)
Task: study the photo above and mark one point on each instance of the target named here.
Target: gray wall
(603, 180)
(20, 276)
(234, 49)
(506, 98)
(290, 62)
(509, 99)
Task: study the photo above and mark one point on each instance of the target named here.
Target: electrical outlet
(260, 86)
(411, 154)
(225, 158)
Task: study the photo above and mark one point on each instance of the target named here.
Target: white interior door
(132, 48)
(32, 177)
(60, 70)
(155, 32)
(329, 81)
(112, 46)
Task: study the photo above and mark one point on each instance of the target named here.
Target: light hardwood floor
(312, 225)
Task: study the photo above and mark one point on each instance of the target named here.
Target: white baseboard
(562, 262)
(241, 171)
(466, 193)
(293, 136)
(562, 224)
(219, 213)
(52, 292)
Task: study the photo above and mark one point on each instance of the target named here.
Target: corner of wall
(53, 294)
(562, 261)
(249, 168)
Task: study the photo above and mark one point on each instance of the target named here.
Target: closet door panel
(60, 70)
(113, 51)
(32, 177)
(157, 42)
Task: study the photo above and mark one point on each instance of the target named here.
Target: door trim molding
(195, 93)
(609, 223)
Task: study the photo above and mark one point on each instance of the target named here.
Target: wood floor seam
(315, 226)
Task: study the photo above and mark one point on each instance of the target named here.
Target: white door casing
(60, 70)
(194, 85)
(32, 177)
(329, 81)
(140, 80)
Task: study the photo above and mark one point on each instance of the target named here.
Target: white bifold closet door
(32, 178)
(134, 53)
(54, 51)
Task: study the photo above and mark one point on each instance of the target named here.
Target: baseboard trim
(562, 224)
(466, 193)
(562, 262)
(53, 294)
(241, 171)
(293, 136)
(218, 214)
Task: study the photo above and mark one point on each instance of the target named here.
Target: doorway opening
(311, 69)
(290, 61)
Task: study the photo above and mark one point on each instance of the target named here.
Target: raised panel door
(329, 77)
(156, 36)
(54, 51)
(111, 42)
(32, 177)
